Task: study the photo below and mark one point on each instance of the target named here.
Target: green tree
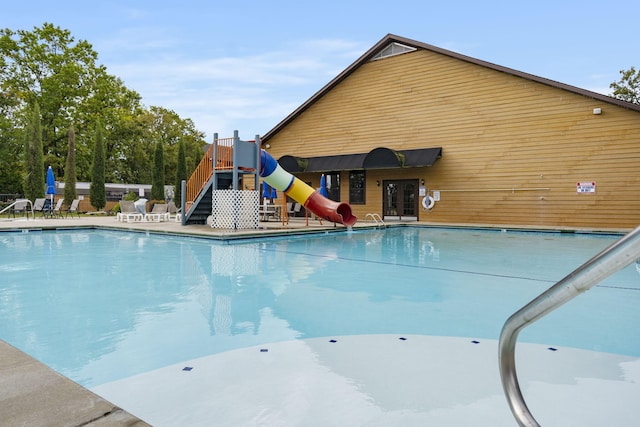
(97, 190)
(49, 66)
(157, 185)
(166, 126)
(34, 162)
(70, 192)
(628, 87)
(181, 172)
(11, 155)
(119, 110)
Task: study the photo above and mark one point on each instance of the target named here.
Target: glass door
(400, 199)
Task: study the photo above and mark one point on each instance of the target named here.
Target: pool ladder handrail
(612, 259)
(375, 218)
(15, 202)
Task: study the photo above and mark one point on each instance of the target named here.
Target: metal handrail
(612, 259)
(16, 202)
(375, 218)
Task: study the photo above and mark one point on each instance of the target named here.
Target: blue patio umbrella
(51, 184)
(268, 192)
(323, 186)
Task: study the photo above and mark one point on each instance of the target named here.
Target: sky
(245, 65)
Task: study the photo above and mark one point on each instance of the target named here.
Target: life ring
(428, 202)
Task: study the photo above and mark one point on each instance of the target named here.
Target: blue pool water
(100, 305)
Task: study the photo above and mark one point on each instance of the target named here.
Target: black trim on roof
(390, 38)
(378, 158)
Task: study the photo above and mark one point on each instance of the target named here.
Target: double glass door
(400, 199)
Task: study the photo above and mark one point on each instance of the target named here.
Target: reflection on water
(99, 306)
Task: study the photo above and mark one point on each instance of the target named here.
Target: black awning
(293, 164)
(378, 158)
(335, 163)
(383, 158)
(422, 157)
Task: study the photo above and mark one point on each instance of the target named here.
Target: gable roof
(390, 38)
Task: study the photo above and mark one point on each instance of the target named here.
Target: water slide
(280, 179)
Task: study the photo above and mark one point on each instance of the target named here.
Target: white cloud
(223, 93)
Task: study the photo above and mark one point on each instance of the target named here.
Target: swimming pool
(105, 306)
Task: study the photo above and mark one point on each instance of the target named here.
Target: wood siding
(512, 149)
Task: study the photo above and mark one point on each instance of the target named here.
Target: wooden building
(484, 143)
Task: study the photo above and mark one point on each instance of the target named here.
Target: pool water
(100, 305)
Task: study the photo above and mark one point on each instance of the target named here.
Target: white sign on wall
(586, 187)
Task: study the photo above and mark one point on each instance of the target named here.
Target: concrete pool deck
(33, 394)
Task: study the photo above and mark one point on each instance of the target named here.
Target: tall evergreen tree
(12, 151)
(157, 184)
(70, 192)
(34, 157)
(97, 190)
(181, 171)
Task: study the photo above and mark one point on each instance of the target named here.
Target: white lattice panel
(235, 209)
(232, 260)
(248, 201)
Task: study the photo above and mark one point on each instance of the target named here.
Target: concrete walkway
(295, 225)
(31, 394)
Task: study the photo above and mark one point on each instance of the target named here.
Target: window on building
(393, 49)
(333, 185)
(356, 187)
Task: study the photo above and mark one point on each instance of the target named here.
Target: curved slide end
(278, 178)
(338, 212)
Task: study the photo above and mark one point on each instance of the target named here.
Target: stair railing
(200, 176)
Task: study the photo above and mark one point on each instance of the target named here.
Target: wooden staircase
(199, 186)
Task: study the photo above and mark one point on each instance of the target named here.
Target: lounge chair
(158, 213)
(21, 206)
(175, 213)
(38, 206)
(57, 209)
(268, 210)
(73, 209)
(128, 212)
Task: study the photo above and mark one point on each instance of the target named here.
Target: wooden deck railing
(199, 177)
(204, 170)
(224, 153)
